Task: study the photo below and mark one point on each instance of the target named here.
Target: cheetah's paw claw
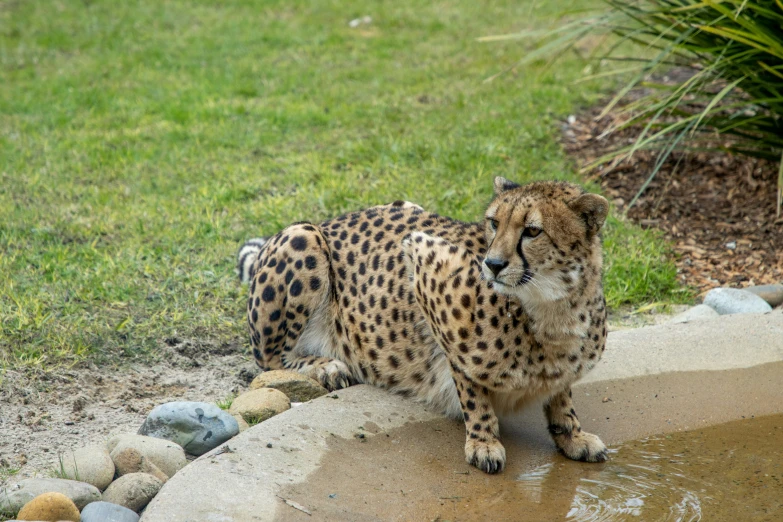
(489, 456)
(585, 447)
(335, 376)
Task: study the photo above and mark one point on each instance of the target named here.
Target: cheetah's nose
(495, 265)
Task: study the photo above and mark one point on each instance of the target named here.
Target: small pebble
(243, 425)
(133, 491)
(130, 460)
(108, 512)
(259, 405)
(49, 507)
(298, 387)
(14, 495)
(91, 464)
(168, 456)
(728, 301)
(772, 294)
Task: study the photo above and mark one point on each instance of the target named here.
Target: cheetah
(474, 319)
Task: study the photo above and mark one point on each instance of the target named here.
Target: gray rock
(14, 495)
(108, 512)
(168, 456)
(772, 294)
(91, 464)
(728, 301)
(298, 387)
(133, 491)
(196, 426)
(697, 313)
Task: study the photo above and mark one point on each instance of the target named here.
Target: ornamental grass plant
(732, 97)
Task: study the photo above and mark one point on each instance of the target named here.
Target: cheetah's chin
(508, 288)
(503, 288)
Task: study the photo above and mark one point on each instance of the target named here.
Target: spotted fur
(471, 318)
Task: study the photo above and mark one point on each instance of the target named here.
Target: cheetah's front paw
(488, 456)
(582, 446)
(334, 375)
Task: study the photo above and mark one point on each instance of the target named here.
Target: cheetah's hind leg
(289, 300)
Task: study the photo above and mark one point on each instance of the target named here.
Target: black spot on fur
(299, 243)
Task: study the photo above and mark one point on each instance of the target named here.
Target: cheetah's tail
(246, 258)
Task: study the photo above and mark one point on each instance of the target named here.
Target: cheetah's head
(544, 241)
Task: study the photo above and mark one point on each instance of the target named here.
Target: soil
(43, 416)
(718, 209)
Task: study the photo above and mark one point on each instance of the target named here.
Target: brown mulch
(717, 209)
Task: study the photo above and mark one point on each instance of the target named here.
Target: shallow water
(730, 472)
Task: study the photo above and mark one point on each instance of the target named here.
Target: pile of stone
(115, 482)
(728, 301)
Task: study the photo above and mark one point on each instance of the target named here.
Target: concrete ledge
(241, 483)
(723, 343)
(652, 380)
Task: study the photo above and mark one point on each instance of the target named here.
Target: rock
(166, 455)
(133, 491)
(728, 301)
(14, 495)
(298, 387)
(772, 294)
(91, 464)
(259, 405)
(243, 425)
(697, 313)
(130, 460)
(50, 507)
(196, 426)
(108, 512)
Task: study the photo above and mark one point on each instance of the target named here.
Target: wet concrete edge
(652, 380)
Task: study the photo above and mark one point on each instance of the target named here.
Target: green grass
(638, 269)
(226, 403)
(6, 472)
(60, 472)
(141, 142)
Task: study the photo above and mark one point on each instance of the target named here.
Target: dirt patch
(44, 415)
(717, 209)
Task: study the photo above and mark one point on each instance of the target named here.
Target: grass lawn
(141, 142)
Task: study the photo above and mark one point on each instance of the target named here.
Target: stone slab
(655, 380)
(723, 343)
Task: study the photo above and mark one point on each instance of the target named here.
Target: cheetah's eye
(531, 232)
(493, 223)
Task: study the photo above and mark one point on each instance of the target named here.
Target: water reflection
(732, 472)
(639, 481)
(728, 471)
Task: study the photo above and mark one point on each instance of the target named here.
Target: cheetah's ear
(502, 185)
(593, 209)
